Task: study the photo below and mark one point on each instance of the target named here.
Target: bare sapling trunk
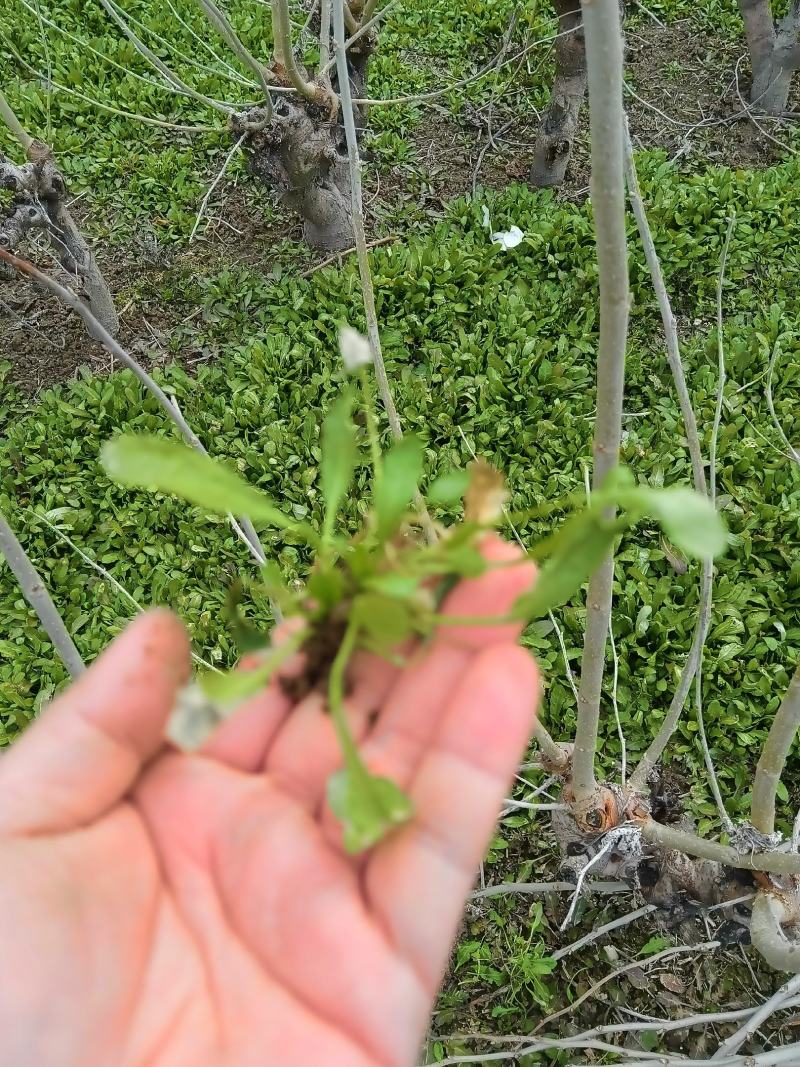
(559, 123)
(774, 49)
(39, 203)
(35, 592)
(297, 146)
(604, 57)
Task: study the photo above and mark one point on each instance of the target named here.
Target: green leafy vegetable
(398, 481)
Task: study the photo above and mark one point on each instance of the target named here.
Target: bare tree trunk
(560, 121)
(774, 53)
(299, 149)
(40, 194)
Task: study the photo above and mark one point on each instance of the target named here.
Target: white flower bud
(354, 348)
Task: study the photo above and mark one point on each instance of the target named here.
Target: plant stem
(657, 833)
(35, 592)
(283, 51)
(324, 35)
(773, 758)
(336, 700)
(358, 218)
(667, 316)
(604, 64)
(13, 123)
(362, 255)
(222, 25)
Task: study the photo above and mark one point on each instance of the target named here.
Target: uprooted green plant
(386, 585)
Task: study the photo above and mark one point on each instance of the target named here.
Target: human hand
(160, 909)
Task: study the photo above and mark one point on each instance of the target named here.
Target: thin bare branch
(758, 1018)
(644, 964)
(13, 123)
(284, 52)
(771, 405)
(222, 25)
(600, 931)
(159, 65)
(325, 60)
(214, 184)
(71, 300)
(107, 576)
(667, 317)
(656, 748)
(604, 64)
(656, 833)
(146, 119)
(773, 758)
(230, 72)
(35, 592)
(537, 888)
(327, 63)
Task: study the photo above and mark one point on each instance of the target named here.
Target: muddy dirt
(683, 96)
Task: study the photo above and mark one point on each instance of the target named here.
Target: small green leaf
(399, 477)
(394, 583)
(448, 488)
(368, 807)
(247, 637)
(173, 467)
(583, 541)
(326, 586)
(386, 620)
(339, 457)
(235, 686)
(655, 944)
(688, 519)
(232, 688)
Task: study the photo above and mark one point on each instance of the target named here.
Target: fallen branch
(35, 592)
(536, 888)
(347, 252)
(758, 1018)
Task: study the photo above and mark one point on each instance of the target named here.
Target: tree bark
(774, 53)
(559, 124)
(300, 153)
(40, 203)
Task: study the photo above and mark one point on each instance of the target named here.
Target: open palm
(167, 910)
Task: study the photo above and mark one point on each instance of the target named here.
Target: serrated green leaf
(399, 477)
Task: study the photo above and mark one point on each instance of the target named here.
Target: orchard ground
(487, 350)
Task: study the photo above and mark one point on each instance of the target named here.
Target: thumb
(88, 748)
